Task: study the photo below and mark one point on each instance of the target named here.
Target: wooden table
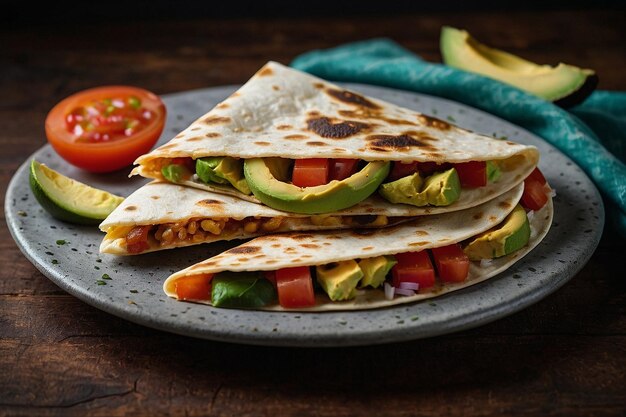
(566, 355)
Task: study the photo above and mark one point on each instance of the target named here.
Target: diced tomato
(343, 168)
(413, 267)
(310, 172)
(535, 195)
(400, 170)
(452, 263)
(472, 174)
(538, 176)
(429, 168)
(197, 287)
(295, 287)
(270, 276)
(137, 239)
(189, 163)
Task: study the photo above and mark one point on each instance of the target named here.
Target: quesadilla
(300, 144)
(162, 215)
(363, 269)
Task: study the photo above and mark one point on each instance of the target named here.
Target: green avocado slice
(69, 200)
(336, 195)
(510, 235)
(222, 170)
(439, 189)
(564, 84)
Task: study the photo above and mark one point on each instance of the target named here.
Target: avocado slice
(510, 235)
(175, 173)
(339, 279)
(493, 171)
(439, 189)
(564, 84)
(336, 195)
(375, 270)
(223, 170)
(69, 200)
(241, 290)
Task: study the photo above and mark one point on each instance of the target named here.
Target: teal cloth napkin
(592, 134)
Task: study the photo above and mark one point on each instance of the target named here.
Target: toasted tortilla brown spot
(478, 216)
(213, 135)
(291, 250)
(275, 88)
(244, 250)
(193, 129)
(351, 98)
(386, 143)
(301, 236)
(505, 205)
(318, 85)
(310, 246)
(493, 219)
(209, 202)
(313, 113)
(315, 143)
(295, 137)
(339, 150)
(194, 139)
(266, 72)
(433, 122)
(154, 197)
(242, 259)
(284, 127)
(418, 243)
(213, 120)
(335, 129)
(307, 256)
(271, 261)
(130, 208)
(276, 245)
(326, 243)
(222, 106)
(167, 146)
(293, 261)
(367, 248)
(261, 143)
(421, 233)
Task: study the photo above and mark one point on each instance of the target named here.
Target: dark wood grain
(564, 356)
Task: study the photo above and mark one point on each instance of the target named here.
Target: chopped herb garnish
(22, 213)
(452, 119)
(96, 268)
(134, 291)
(49, 253)
(61, 242)
(106, 276)
(100, 282)
(98, 260)
(54, 262)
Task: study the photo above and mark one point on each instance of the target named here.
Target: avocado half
(334, 196)
(565, 85)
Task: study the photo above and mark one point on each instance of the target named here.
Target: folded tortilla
(274, 252)
(183, 216)
(282, 112)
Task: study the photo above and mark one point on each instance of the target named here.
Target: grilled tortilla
(177, 216)
(274, 252)
(282, 112)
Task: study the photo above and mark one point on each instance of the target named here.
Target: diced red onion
(406, 285)
(389, 291)
(401, 291)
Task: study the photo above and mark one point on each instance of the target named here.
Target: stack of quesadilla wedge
(342, 194)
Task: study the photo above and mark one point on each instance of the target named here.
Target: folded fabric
(592, 134)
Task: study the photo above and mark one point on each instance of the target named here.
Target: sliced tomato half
(452, 263)
(295, 287)
(537, 176)
(311, 172)
(535, 194)
(413, 267)
(137, 239)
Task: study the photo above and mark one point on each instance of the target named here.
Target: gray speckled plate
(131, 288)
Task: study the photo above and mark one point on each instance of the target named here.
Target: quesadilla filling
(322, 185)
(403, 274)
(143, 238)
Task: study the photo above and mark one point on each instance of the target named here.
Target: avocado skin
(335, 195)
(579, 95)
(241, 290)
(509, 236)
